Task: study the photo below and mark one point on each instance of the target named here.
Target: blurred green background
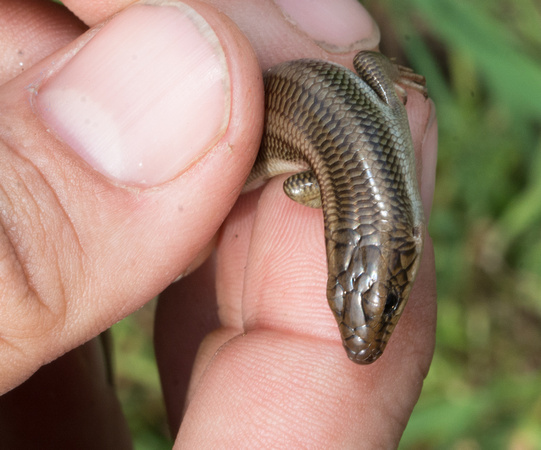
(482, 61)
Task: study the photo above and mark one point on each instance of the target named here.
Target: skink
(347, 138)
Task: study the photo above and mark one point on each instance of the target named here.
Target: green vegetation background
(482, 61)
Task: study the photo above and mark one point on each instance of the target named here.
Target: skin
(280, 375)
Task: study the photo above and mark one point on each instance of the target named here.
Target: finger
(92, 13)
(284, 374)
(79, 381)
(303, 29)
(97, 220)
(428, 153)
(187, 312)
(279, 352)
(31, 30)
(285, 362)
(76, 389)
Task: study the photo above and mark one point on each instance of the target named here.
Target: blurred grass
(137, 380)
(482, 61)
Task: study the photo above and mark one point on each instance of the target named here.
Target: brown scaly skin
(348, 136)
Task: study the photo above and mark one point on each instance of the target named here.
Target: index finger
(286, 376)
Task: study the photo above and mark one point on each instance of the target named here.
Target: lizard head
(370, 293)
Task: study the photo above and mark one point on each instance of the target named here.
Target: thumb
(120, 157)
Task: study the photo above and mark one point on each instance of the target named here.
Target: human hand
(290, 358)
(276, 355)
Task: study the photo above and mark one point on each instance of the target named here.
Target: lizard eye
(391, 303)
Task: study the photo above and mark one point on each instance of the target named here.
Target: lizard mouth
(367, 356)
(363, 345)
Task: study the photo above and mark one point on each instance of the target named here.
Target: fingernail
(145, 98)
(337, 26)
